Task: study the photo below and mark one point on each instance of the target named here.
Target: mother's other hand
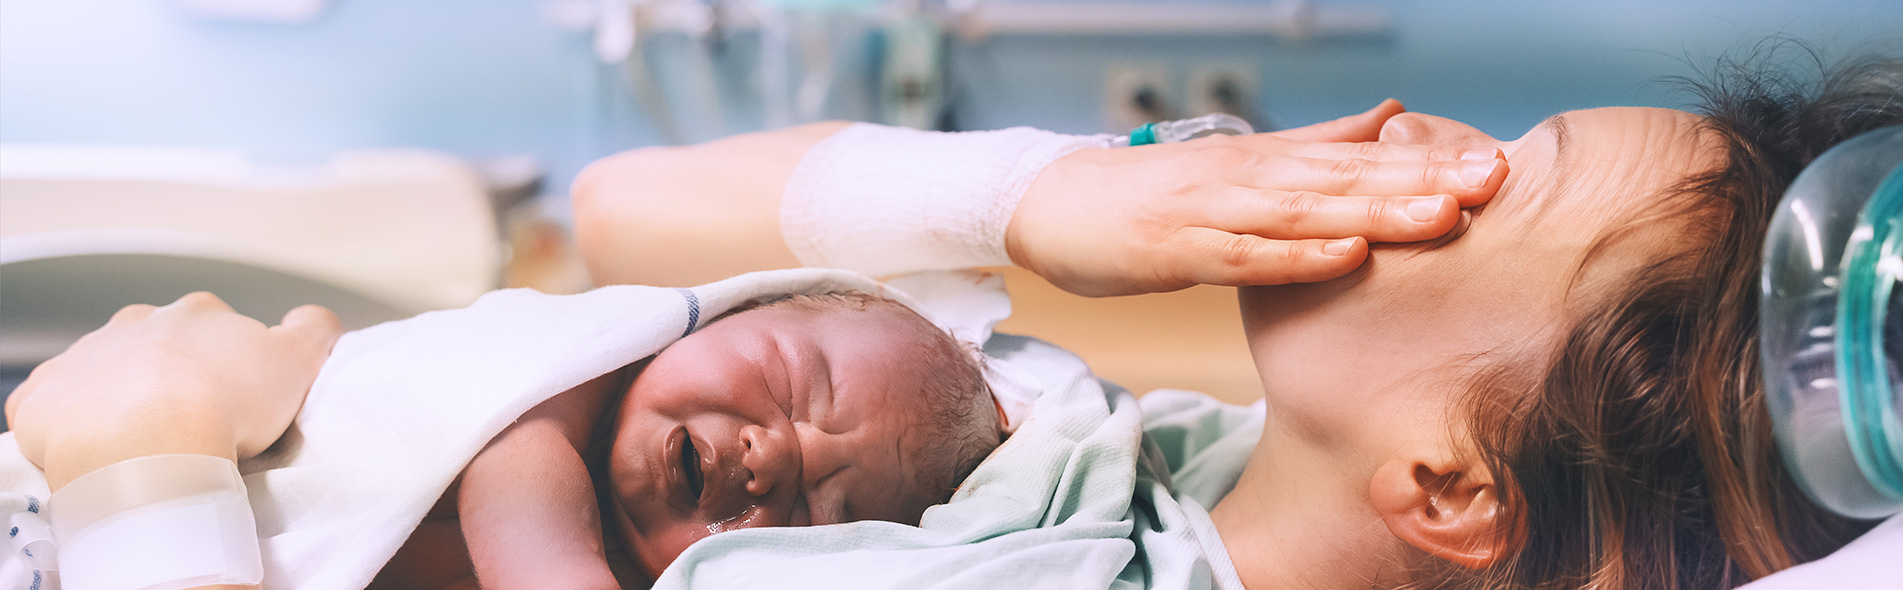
(190, 377)
(1271, 208)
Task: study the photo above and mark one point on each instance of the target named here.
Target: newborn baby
(811, 409)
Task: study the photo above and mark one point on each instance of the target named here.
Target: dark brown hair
(1639, 453)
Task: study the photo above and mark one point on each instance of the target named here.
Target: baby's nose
(772, 459)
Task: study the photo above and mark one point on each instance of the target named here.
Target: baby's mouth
(673, 451)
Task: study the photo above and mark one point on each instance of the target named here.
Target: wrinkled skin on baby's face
(772, 417)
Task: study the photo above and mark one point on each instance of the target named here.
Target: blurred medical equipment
(373, 235)
(1292, 20)
(703, 69)
(1832, 326)
(1184, 130)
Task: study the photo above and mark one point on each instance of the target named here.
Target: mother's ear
(1450, 509)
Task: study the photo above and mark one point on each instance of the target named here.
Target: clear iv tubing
(1184, 130)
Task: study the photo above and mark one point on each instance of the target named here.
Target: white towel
(401, 407)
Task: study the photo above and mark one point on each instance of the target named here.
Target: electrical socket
(1224, 88)
(1134, 94)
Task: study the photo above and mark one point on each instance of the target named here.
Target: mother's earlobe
(1449, 509)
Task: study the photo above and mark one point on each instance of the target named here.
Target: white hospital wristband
(889, 200)
(161, 522)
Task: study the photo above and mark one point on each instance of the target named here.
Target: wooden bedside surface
(1190, 339)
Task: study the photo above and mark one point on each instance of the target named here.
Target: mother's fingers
(313, 319)
(1391, 152)
(1309, 215)
(1365, 126)
(312, 323)
(201, 300)
(1201, 255)
(1471, 182)
(130, 313)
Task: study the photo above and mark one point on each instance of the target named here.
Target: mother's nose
(1420, 129)
(772, 459)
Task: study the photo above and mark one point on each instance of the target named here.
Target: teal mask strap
(1870, 271)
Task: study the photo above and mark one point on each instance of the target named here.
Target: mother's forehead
(1607, 163)
(1632, 148)
(1580, 187)
(1616, 183)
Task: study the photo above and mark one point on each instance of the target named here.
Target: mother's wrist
(885, 201)
(80, 447)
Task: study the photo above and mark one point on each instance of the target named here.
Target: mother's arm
(1293, 206)
(683, 216)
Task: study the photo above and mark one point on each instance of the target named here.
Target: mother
(1565, 396)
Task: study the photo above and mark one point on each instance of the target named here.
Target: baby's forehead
(903, 341)
(863, 313)
(835, 327)
(829, 303)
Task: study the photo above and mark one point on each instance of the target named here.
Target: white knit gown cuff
(889, 200)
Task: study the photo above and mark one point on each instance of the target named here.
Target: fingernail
(1475, 175)
(1424, 209)
(1338, 247)
(1480, 154)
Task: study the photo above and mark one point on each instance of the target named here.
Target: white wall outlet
(1224, 88)
(1134, 94)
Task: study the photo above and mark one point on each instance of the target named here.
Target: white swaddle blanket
(401, 407)
(1079, 498)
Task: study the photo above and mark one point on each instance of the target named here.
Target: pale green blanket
(1080, 497)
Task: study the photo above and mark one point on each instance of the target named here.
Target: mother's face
(1373, 360)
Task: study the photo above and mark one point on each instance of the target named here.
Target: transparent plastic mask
(1832, 329)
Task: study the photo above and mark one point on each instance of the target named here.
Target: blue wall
(1501, 65)
(493, 77)
(477, 78)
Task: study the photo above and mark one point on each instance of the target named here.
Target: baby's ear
(1447, 508)
(1004, 421)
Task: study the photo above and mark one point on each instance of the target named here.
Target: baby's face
(772, 417)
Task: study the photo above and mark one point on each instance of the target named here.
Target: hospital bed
(374, 235)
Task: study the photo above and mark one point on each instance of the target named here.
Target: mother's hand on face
(1292, 206)
(191, 377)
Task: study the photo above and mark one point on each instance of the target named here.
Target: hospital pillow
(1873, 561)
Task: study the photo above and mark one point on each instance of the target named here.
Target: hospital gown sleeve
(887, 200)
